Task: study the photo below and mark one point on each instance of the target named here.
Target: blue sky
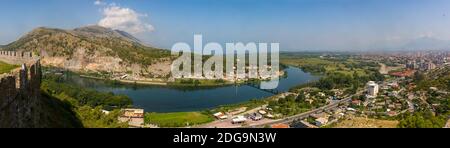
(299, 25)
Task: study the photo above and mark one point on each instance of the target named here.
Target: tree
(95, 118)
(422, 120)
(418, 77)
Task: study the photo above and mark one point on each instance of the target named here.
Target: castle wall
(8, 90)
(17, 58)
(19, 96)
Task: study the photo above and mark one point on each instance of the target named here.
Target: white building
(321, 122)
(372, 89)
(430, 66)
(239, 119)
(220, 116)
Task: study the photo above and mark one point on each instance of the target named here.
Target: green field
(178, 119)
(318, 65)
(4, 68)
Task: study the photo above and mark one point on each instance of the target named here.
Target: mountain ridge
(98, 31)
(94, 49)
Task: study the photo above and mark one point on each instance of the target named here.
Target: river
(176, 99)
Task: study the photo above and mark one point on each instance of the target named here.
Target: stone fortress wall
(17, 58)
(20, 90)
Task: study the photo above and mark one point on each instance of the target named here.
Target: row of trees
(292, 105)
(82, 96)
(340, 80)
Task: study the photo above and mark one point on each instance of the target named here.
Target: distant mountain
(97, 31)
(128, 36)
(94, 48)
(427, 43)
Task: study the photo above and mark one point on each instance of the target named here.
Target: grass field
(304, 61)
(4, 68)
(253, 103)
(178, 119)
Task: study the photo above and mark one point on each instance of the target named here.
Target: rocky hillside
(94, 49)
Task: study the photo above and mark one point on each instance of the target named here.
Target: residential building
(430, 66)
(281, 125)
(239, 119)
(134, 117)
(220, 116)
(372, 89)
(321, 121)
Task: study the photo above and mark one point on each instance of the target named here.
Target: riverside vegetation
(87, 104)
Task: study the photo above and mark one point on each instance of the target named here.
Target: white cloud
(99, 3)
(124, 19)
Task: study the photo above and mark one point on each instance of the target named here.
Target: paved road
(305, 114)
(227, 123)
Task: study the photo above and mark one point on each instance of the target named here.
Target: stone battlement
(19, 94)
(24, 80)
(17, 58)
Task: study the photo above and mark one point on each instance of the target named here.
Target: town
(387, 99)
(398, 90)
(230, 64)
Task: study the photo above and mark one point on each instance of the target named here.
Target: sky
(298, 25)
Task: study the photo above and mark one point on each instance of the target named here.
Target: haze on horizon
(298, 25)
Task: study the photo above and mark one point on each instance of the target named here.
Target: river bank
(187, 102)
(180, 82)
(187, 97)
(177, 83)
(141, 82)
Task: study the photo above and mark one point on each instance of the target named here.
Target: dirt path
(383, 69)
